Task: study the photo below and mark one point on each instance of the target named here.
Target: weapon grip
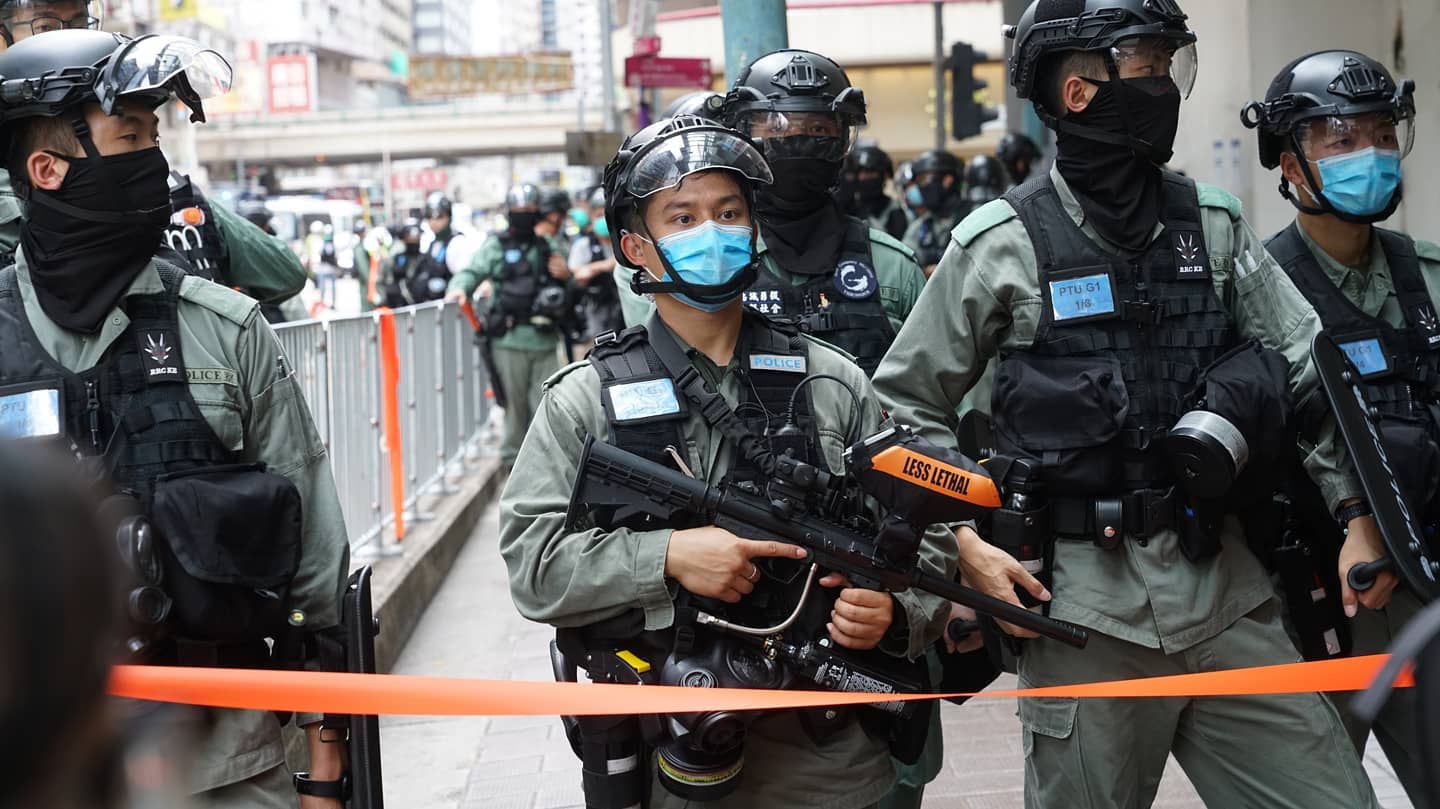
(1362, 576)
(960, 630)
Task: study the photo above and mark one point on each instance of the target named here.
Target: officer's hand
(995, 573)
(1364, 544)
(455, 296)
(860, 617)
(584, 274)
(714, 563)
(969, 643)
(559, 269)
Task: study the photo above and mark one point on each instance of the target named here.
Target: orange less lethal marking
(951, 481)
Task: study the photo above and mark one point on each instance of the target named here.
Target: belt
(1107, 520)
(245, 655)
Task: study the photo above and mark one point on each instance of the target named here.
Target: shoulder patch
(1428, 251)
(1213, 196)
(987, 216)
(881, 238)
(555, 378)
(224, 301)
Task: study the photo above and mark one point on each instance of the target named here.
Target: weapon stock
(611, 478)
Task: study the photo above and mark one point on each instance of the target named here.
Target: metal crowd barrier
(443, 407)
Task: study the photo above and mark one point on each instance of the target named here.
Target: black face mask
(412, 248)
(522, 224)
(935, 194)
(871, 190)
(86, 242)
(1110, 154)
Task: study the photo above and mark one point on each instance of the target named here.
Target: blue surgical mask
(914, 198)
(602, 228)
(1360, 183)
(709, 254)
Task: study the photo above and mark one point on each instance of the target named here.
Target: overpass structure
(460, 129)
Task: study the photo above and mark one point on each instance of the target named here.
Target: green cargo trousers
(521, 372)
(1278, 752)
(1395, 727)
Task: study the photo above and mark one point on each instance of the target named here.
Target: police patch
(32, 413)
(1191, 260)
(161, 353)
(513, 255)
(777, 362)
(1368, 356)
(646, 399)
(855, 280)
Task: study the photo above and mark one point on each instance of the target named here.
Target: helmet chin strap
(1322, 206)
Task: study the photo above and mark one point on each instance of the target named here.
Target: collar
(80, 352)
(1354, 282)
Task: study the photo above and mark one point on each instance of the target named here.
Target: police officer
(1337, 124)
(527, 275)
(985, 181)
(937, 185)
(213, 241)
(1019, 154)
(1105, 287)
(592, 265)
(862, 191)
(174, 385)
(447, 250)
(402, 274)
(555, 220)
(679, 199)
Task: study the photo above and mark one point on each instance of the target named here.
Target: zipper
(92, 413)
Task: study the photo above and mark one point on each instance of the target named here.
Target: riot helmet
(801, 110)
(522, 210)
(704, 103)
(871, 158)
(936, 175)
(862, 181)
(437, 205)
(597, 197)
(554, 200)
(1348, 123)
(1018, 153)
(662, 156)
(985, 179)
(1130, 36)
(22, 19)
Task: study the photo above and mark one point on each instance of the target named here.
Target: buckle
(606, 338)
(1142, 311)
(1155, 511)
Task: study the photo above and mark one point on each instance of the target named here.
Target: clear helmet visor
(1333, 136)
(664, 164)
(26, 18)
(828, 129)
(1143, 57)
(165, 64)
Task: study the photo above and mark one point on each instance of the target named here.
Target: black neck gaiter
(1119, 185)
(86, 242)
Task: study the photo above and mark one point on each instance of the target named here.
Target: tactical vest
(1120, 344)
(520, 280)
(842, 308)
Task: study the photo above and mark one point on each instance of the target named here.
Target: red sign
(647, 46)
(659, 71)
(292, 83)
(421, 180)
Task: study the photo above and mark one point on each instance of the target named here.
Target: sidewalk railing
(442, 408)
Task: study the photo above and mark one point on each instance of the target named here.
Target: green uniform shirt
(487, 265)
(570, 579)
(900, 279)
(985, 297)
(248, 394)
(1371, 287)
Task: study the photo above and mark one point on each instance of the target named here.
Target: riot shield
(1410, 556)
(358, 621)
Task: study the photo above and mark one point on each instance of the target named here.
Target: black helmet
(870, 158)
(554, 200)
(44, 77)
(659, 157)
(984, 173)
(523, 195)
(1050, 27)
(410, 231)
(254, 210)
(597, 197)
(704, 103)
(20, 19)
(938, 161)
(437, 204)
(1329, 86)
(795, 81)
(1015, 148)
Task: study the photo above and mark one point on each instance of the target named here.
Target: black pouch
(1414, 457)
(1310, 587)
(231, 548)
(1061, 412)
(1249, 387)
(516, 296)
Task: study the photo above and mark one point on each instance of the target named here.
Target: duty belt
(1107, 520)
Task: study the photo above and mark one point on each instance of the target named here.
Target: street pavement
(471, 629)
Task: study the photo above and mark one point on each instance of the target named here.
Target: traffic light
(966, 114)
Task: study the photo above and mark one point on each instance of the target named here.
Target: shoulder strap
(856, 245)
(628, 358)
(1182, 202)
(1419, 312)
(1034, 201)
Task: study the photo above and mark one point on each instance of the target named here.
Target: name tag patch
(31, 414)
(212, 376)
(777, 362)
(1082, 297)
(644, 400)
(1368, 356)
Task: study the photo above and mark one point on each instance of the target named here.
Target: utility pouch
(1199, 528)
(1026, 535)
(230, 548)
(1311, 590)
(1062, 412)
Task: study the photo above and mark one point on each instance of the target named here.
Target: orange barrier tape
(390, 415)
(389, 694)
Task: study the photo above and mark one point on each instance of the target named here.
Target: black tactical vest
(1120, 344)
(842, 308)
(134, 407)
(1400, 367)
(520, 280)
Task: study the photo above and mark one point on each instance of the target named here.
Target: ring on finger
(754, 574)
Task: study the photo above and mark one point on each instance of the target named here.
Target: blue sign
(1368, 356)
(1085, 296)
(32, 414)
(777, 362)
(644, 400)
